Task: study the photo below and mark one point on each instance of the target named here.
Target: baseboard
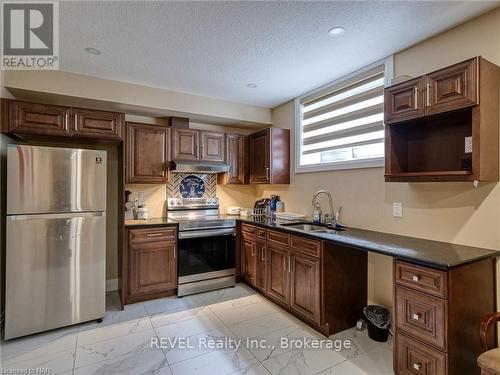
(111, 285)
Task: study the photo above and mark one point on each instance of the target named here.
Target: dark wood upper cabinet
(97, 124)
(405, 101)
(237, 158)
(45, 119)
(453, 87)
(147, 153)
(42, 119)
(461, 106)
(270, 156)
(213, 146)
(185, 144)
(445, 90)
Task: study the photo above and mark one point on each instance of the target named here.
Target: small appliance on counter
(233, 210)
(129, 205)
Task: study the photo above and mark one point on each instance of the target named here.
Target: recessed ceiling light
(92, 51)
(336, 31)
(251, 85)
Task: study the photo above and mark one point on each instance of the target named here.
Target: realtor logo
(30, 35)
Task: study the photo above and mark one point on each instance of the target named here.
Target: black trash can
(378, 319)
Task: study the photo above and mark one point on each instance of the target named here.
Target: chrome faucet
(331, 218)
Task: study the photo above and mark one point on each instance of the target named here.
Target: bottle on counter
(280, 206)
(142, 212)
(317, 214)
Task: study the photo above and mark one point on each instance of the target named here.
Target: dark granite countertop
(436, 254)
(150, 222)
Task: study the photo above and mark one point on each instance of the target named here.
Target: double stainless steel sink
(312, 228)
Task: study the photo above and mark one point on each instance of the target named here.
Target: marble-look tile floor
(121, 344)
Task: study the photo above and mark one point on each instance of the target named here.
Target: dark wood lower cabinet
(150, 263)
(437, 315)
(249, 259)
(261, 269)
(311, 282)
(305, 286)
(277, 273)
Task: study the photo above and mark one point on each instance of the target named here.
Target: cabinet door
(305, 286)
(249, 258)
(147, 153)
(185, 145)
(39, 119)
(453, 87)
(261, 269)
(213, 146)
(260, 157)
(404, 101)
(97, 124)
(152, 268)
(237, 158)
(277, 273)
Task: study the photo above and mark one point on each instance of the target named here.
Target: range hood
(199, 167)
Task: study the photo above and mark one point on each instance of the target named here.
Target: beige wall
(454, 212)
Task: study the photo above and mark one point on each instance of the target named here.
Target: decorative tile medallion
(192, 185)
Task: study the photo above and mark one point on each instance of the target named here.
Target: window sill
(343, 165)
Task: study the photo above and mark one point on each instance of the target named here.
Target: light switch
(468, 145)
(397, 209)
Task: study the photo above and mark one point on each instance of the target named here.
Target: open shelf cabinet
(429, 144)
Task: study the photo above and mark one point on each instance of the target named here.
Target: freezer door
(52, 179)
(55, 271)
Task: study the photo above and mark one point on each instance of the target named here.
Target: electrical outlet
(397, 209)
(468, 145)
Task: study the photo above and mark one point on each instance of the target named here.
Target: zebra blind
(344, 122)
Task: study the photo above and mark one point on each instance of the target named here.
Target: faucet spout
(331, 220)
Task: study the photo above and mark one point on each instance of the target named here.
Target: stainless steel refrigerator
(56, 238)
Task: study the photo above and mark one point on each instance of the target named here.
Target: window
(341, 125)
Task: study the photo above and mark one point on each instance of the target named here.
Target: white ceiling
(215, 48)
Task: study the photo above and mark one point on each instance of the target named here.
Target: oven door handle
(207, 233)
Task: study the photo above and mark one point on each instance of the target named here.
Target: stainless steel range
(206, 254)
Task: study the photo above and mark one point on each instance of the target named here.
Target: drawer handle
(416, 316)
(416, 278)
(417, 366)
(154, 234)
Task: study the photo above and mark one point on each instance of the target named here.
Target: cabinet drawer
(152, 235)
(306, 245)
(278, 237)
(413, 358)
(420, 278)
(421, 316)
(261, 233)
(248, 229)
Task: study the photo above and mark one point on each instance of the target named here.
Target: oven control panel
(192, 203)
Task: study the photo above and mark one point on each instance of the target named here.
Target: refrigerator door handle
(64, 215)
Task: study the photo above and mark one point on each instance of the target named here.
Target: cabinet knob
(416, 316)
(415, 278)
(417, 366)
